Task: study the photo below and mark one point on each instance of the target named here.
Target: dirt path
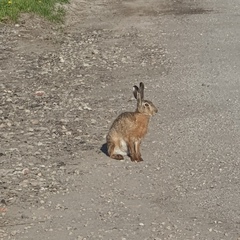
(62, 87)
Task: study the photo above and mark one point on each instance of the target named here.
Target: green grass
(49, 9)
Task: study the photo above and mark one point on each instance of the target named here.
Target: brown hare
(129, 128)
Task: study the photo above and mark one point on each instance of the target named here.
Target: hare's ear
(135, 92)
(137, 95)
(141, 90)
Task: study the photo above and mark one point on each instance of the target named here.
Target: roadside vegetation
(52, 10)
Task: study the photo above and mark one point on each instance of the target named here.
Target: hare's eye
(146, 105)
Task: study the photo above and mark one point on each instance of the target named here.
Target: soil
(62, 86)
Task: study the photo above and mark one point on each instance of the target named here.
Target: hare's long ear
(137, 95)
(135, 91)
(141, 90)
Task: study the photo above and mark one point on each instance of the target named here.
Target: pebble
(34, 121)
(93, 121)
(24, 183)
(39, 93)
(61, 59)
(13, 233)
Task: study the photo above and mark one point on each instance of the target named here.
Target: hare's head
(143, 106)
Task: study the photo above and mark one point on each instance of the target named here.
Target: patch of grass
(49, 9)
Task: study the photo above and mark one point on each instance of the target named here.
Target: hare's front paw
(135, 159)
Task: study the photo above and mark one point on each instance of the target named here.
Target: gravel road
(62, 86)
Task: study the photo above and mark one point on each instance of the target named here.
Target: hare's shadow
(104, 149)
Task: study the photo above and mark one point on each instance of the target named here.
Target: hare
(129, 128)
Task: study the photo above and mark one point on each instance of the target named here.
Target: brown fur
(129, 128)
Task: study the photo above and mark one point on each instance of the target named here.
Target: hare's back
(130, 124)
(124, 120)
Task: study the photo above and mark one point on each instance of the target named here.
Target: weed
(50, 9)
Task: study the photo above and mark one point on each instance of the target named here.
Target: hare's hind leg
(111, 151)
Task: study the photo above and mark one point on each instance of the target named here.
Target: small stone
(93, 121)
(61, 59)
(25, 171)
(13, 233)
(95, 51)
(34, 121)
(58, 206)
(86, 107)
(34, 183)
(39, 93)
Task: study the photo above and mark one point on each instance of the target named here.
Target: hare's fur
(129, 128)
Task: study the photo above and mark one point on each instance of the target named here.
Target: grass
(49, 9)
